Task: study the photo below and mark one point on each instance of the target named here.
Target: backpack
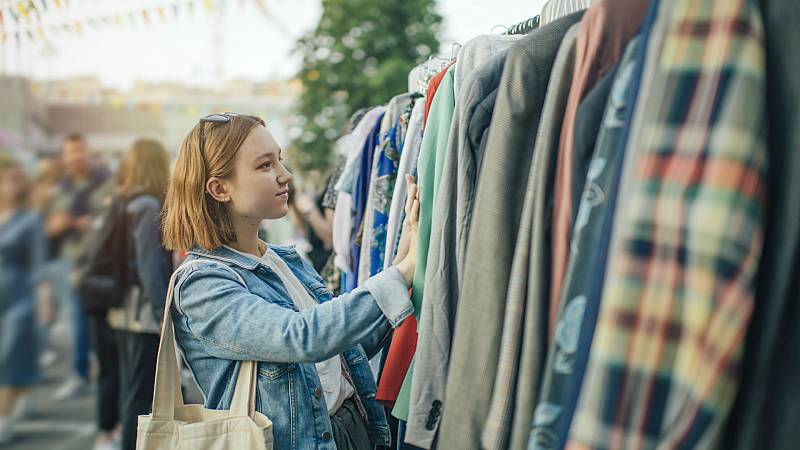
(104, 276)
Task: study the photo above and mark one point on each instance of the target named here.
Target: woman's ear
(217, 190)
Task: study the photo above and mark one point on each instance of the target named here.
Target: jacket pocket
(273, 371)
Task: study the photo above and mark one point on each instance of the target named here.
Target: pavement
(57, 425)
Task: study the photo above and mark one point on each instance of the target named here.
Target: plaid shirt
(679, 287)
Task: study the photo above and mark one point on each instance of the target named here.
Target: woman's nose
(286, 177)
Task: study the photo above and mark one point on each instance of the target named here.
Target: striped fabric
(556, 9)
(679, 288)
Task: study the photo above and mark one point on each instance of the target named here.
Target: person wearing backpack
(142, 183)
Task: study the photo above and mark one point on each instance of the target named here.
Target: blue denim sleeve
(153, 265)
(233, 323)
(37, 247)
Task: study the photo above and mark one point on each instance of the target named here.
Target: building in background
(35, 116)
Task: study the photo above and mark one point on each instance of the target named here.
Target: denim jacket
(229, 307)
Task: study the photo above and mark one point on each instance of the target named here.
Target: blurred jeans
(59, 274)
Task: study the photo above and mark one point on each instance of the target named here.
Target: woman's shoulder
(197, 262)
(143, 203)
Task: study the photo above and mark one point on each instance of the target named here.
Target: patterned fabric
(383, 186)
(605, 31)
(556, 9)
(361, 194)
(595, 204)
(331, 194)
(679, 290)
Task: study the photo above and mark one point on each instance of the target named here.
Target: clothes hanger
(524, 27)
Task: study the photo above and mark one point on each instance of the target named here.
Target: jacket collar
(247, 262)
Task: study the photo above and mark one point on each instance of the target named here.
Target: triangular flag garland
(29, 18)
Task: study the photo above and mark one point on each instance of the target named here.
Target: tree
(359, 55)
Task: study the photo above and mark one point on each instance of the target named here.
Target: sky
(252, 44)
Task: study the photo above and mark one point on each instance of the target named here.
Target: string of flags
(26, 19)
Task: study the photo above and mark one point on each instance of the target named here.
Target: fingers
(414, 214)
(413, 193)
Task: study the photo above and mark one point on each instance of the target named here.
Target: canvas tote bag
(174, 425)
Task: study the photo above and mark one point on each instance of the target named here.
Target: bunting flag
(23, 9)
(5, 38)
(32, 12)
(32, 7)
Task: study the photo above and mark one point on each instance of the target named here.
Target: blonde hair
(144, 170)
(192, 217)
(7, 164)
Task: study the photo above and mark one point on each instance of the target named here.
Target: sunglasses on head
(213, 118)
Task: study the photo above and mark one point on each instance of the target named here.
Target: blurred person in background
(142, 183)
(49, 176)
(69, 219)
(22, 251)
(314, 228)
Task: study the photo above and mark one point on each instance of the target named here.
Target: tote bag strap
(244, 393)
(167, 390)
(167, 393)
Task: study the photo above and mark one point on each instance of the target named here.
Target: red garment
(604, 32)
(433, 85)
(401, 352)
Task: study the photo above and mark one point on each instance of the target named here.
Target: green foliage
(358, 56)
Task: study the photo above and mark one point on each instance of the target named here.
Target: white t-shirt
(335, 386)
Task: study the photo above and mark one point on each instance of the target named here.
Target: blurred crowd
(54, 224)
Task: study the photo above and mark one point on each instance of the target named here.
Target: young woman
(238, 298)
(22, 251)
(142, 181)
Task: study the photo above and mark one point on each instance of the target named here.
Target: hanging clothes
(766, 413)
(383, 173)
(505, 166)
(360, 196)
(429, 169)
(407, 166)
(351, 145)
(476, 52)
(604, 33)
(524, 337)
(684, 251)
(454, 199)
(594, 206)
(404, 342)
